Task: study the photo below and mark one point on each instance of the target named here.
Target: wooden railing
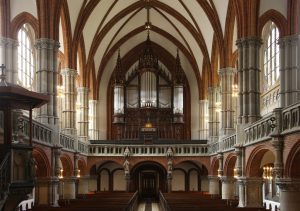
(163, 204)
(133, 202)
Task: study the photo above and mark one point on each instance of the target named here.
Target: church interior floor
(148, 206)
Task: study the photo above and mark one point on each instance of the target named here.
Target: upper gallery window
(271, 55)
(26, 57)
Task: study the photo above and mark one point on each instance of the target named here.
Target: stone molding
(288, 184)
(68, 72)
(227, 71)
(45, 43)
(8, 42)
(226, 179)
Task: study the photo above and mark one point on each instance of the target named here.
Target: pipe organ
(148, 100)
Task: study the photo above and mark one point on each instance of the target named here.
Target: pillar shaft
(83, 121)
(228, 187)
(46, 79)
(214, 185)
(249, 79)
(69, 187)
(213, 122)
(289, 194)
(227, 108)
(203, 124)
(46, 191)
(69, 107)
(250, 192)
(93, 120)
(289, 68)
(9, 57)
(83, 185)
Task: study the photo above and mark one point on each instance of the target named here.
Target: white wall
(178, 183)
(104, 181)
(204, 184)
(193, 181)
(119, 181)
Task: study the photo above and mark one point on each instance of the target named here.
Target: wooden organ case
(148, 102)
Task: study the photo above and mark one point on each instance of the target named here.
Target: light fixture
(235, 173)
(61, 175)
(268, 172)
(78, 173)
(234, 90)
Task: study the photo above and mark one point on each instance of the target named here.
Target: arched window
(271, 56)
(26, 57)
(270, 65)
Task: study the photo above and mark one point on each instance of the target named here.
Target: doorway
(148, 185)
(148, 178)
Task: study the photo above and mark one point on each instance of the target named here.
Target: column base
(250, 192)
(46, 191)
(289, 193)
(214, 185)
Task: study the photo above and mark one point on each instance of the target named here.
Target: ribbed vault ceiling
(107, 25)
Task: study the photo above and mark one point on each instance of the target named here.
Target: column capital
(250, 180)
(46, 180)
(83, 89)
(289, 40)
(227, 179)
(45, 43)
(249, 41)
(69, 179)
(213, 177)
(227, 71)
(220, 156)
(68, 71)
(213, 88)
(288, 184)
(8, 42)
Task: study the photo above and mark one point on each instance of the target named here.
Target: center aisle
(148, 206)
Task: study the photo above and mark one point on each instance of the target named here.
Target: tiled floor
(154, 207)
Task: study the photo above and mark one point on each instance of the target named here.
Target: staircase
(4, 179)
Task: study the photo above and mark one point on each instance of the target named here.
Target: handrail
(163, 202)
(131, 206)
(4, 175)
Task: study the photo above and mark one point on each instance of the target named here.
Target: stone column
(57, 167)
(214, 185)
(220, 159)
(46, 79)
(46, 191)
(69, 187)
(76, 170)
(289, 194)
(289, 70)
(238, 150)
(83, 121)
(83, 185)
(213, 122)
(69, 107)
(228, 187)
(9, 57)
(203, 124)
(249, 79)
(227, 111)
(93, 120)
(250, 192)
